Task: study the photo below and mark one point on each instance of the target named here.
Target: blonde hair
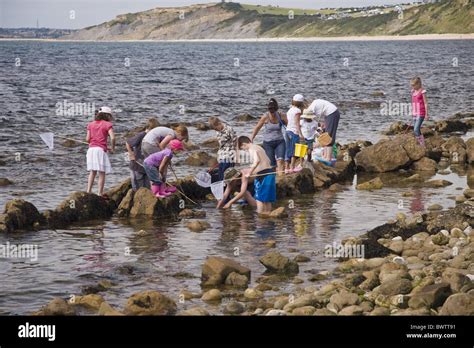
(183, 132)
(416, 81)
(152, 123)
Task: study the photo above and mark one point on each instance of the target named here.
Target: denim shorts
(293, 139)
(275, 150)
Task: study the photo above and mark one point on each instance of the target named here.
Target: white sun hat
(105, 110)
(307, 113)
(298, 98)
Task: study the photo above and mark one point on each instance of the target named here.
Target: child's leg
(90, 181)
(101, 183)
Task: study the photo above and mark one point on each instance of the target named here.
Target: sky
(57, 13)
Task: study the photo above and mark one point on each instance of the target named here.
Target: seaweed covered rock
(20, 215)
(289, 185)
(275, 262)
(79, 207)
(146, 204)
(150, 303)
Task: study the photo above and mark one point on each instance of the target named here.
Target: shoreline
(423, 37)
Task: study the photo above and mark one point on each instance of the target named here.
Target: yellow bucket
(300, 150)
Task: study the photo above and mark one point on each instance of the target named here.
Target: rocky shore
(413, 265)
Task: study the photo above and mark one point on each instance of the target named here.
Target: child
(293, 132)
(309, 129)
(158, 138)
(98, 132)
(134, 148)
(226, 155)
(264, 176)
(157, 164)
(236, 181)
(420, 108)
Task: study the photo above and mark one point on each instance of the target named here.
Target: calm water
(203, 79)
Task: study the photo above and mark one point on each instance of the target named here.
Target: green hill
(233, 21)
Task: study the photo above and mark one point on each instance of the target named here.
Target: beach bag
(324, 139)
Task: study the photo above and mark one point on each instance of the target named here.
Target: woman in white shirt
(329, 112)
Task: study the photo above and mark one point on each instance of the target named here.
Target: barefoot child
(98, 132)
(236, 181)
(420, 108)
(134, 148)
(264, 176)
(156, 166)
(227, 138)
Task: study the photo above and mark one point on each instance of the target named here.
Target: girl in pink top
(98, 132)
(419, 105)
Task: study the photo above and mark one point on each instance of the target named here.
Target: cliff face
(233, 21)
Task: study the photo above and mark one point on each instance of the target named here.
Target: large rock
(91, 301)
(216, 270)
(458, 304)
(150, 303)
(146, 204)
(425, 165)
(5, 182)
(395, 287)
(237, 280)
(451, 125)
(126, 204)
(19, 215)
(455, 279)
(343, 298)
(389, 155)
(57, 307)
(470, 150)
(198, 225)
(79, 207)
(374, 184)
(277, 263)
(200, 159)
(117, 193)
(430, 296)
(106, 309)
(290, 185)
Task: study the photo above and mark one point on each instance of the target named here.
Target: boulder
(198, 225)
(126, 204)
(234, 308)
(235, 279)
(440, 239)
(245, 118)
(352, 310)
(455, 279)
(437, 183)
(57, 307)
(468, 193)
(191, 214)
(343, 298)
(395, 287)
(430, 296)
(458, 304)
(470, 150)
(5, 182)
(200, 159)
(79, 207)
(212, 143)
(216, 270)
(277, 263)
(252, 294)
(19, 215)
(424, 164)
(117, 193)
(90, 302)
(301, 258)
(450, 126)
(195, 311)
(291, 185)
(107, 310)
(146, 204)
(150, 303)
(304, 311)
(389, 155)
(374, 184)
(212, 295)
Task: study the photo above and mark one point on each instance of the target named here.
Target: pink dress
(417, 103)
